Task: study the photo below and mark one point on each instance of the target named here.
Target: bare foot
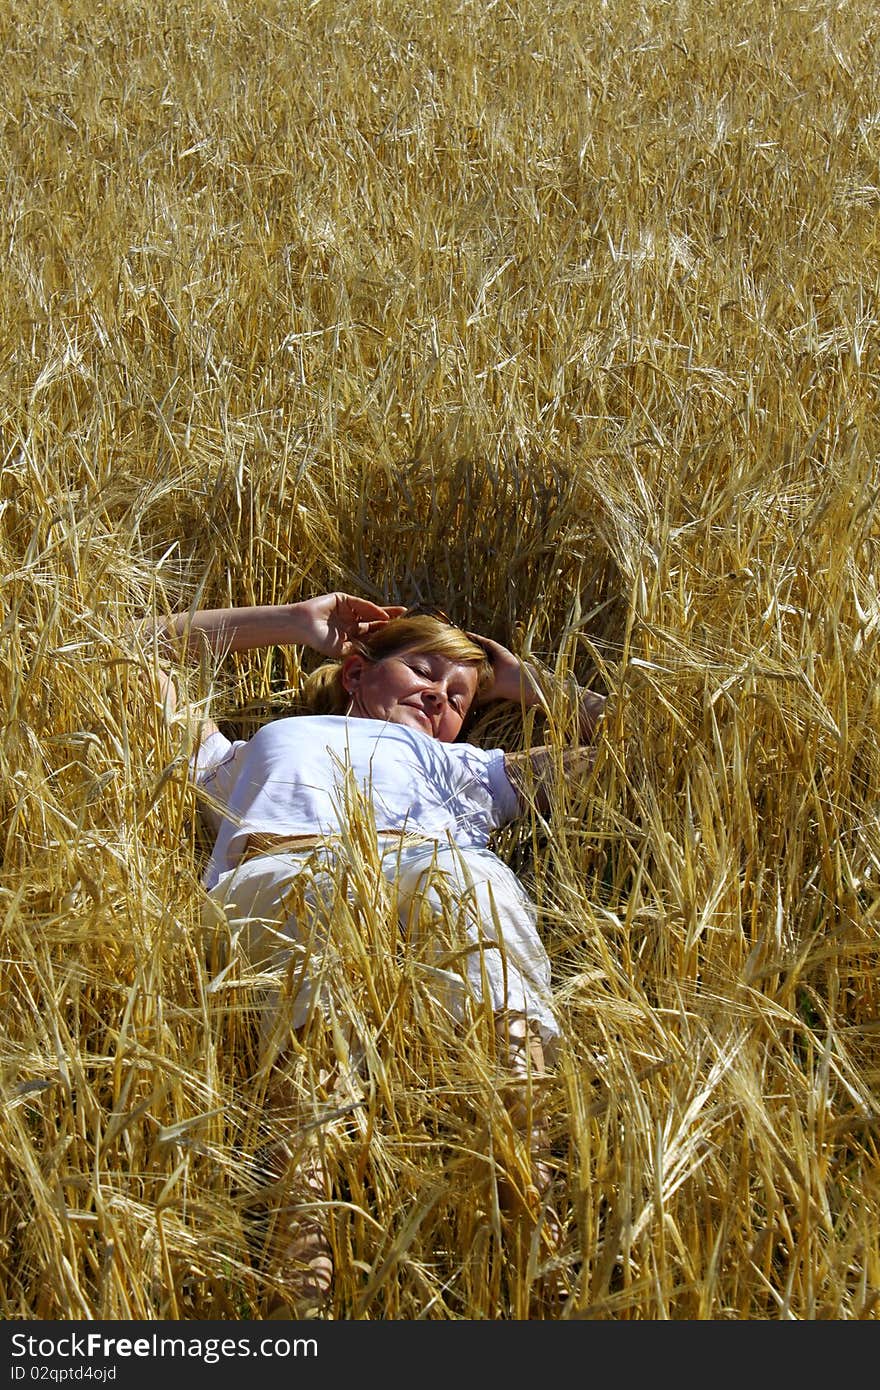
(303, 1274)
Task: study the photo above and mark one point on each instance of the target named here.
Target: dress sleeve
(489, 799)
(214, 769)
(505, 801)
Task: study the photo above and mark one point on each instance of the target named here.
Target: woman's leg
(521, 1048)
(522, 1054)
(474, 929)
(276, 908)
(503, 963)
(299, 1253)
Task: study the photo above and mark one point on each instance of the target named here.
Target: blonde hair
(324, 693)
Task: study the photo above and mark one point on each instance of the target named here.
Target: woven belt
(299, 844)
(281, 844)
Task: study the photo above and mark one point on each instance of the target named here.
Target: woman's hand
(513, 679)
(329, 623)
(517, 681)
(591, 707)
(168, 697)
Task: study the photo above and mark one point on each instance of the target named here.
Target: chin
(414, 721)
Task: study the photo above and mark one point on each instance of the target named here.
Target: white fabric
(300, 776)
(279, 908)
(297, 777)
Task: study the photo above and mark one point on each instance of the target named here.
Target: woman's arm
(169, 700)
(518, 682)
(534, 772)
(513, 679)
(327, 624)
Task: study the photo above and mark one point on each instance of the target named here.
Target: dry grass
(565, 317)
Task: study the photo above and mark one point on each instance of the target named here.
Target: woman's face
(422, 690)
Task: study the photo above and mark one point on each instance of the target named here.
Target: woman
(381, 749)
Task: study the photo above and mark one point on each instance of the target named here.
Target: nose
(436, 697)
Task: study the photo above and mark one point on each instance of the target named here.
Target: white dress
(469, 928)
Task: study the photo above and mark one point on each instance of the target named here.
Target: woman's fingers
(592, 708)
(364, 610)
(489, 647)
(356, 617)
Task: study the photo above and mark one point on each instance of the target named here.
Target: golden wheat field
(564, 317)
